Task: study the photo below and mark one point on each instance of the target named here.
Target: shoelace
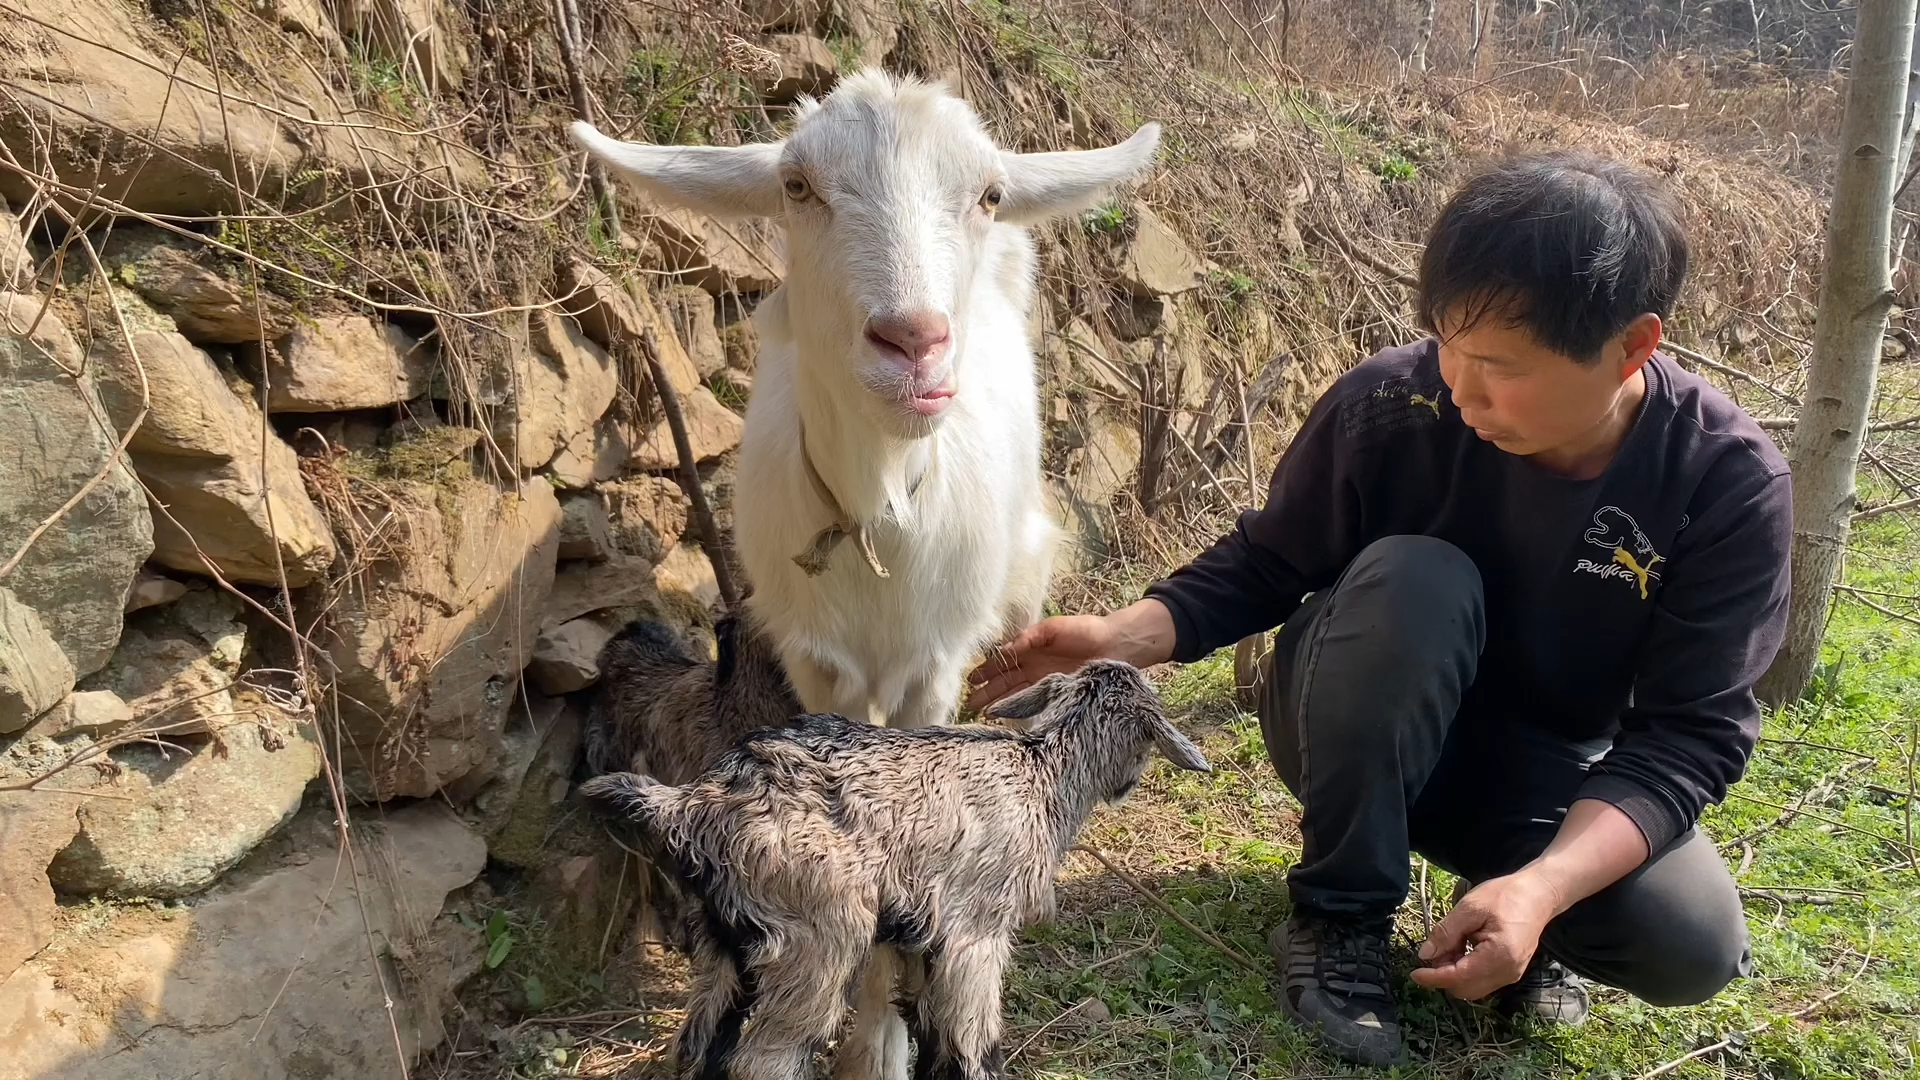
(1354, 957)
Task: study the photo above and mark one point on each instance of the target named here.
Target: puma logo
(1634, 559)
(1422, 399)
(1640, 573)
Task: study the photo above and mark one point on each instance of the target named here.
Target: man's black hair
(1567, 245)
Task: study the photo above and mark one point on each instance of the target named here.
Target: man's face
(1529, 400)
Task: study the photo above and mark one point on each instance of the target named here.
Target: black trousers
(1358, 705)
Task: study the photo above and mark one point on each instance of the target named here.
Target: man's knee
(1417, 594)
(1672, 934)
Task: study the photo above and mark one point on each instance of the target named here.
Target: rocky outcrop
(558, 385)
(582, 588)
(200, 453)
(687, 575)
(34, 826)
(429, 643)
(526, 822)
(341, 362)
(34, 673)
(566, 658)
(420, 35)
(77, 573)
(181, 818)
(153, 590)
(598, 453)
(584, 532)
(647, 515)
(83, 712)
(803, 65)
(1155, 261)
(328, 941)
(712, 430)
(176, 666)
(717, 255)
(17, 263)
(692, 311)
(180, 281)
(617, 318)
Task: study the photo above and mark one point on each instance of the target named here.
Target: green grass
(1832, 907)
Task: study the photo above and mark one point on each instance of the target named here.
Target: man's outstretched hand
(1141, 634)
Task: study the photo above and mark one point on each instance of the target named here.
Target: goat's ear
(1030, 702)
(1176, 747)
(1045, 185)
(721, 181)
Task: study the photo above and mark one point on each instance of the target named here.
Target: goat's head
(1120, 715)
(891, 192)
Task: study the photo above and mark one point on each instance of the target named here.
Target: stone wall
(283, 551)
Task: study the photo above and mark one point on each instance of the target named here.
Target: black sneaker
(1333, 981)
(1547, 992)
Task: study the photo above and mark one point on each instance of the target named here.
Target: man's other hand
(1502, 920)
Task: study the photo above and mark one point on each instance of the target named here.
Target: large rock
(180, 280)
(692, 310)
(352, 956)
(584, 532)
(424, 36)
(561, 384)
(34, 826)
(153, 590)
(647, 515)
(176, 666)
(598, 453)
(617, 318)
(712, 430)
(806, 66)
(1155, 261)
(141, 122)
(77, 574)
(34, 673)
(528, 806)
(566, 658)
(718, 256)
(427, 648)
(336, 363)
(686, 573)
(17, 264)
(581, 588)
(200, 453)
(83, 712)
(180, 824)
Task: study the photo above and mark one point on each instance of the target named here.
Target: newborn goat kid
(662, 711)
(808, 846)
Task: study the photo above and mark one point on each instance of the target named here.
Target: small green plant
(1235, 287)
(1396, 169)
(499, 939)
(1109, 218)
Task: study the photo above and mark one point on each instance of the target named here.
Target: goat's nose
(920, 336)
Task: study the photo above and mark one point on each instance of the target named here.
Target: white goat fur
(881, 188)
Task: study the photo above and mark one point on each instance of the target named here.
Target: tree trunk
(1912, 113)
(1856, 292)
(1426, 38)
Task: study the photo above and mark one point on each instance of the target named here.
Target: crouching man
(1526, 573)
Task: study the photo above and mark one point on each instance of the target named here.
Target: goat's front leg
(930, 699)
(798, 1003)
(959, 1015)
(715, 1010)
(876, 1046)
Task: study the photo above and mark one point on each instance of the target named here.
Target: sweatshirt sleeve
(1252, 578)
(1719, 618)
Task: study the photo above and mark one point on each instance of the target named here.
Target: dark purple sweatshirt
(1641, 604)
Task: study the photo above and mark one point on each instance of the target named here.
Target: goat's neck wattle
(869, 469)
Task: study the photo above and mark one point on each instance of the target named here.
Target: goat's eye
(797, 188)
(991, 199)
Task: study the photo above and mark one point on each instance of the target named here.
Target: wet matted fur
(810, 845)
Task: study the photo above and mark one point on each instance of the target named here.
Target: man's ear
(720, 181)
(1637, 343)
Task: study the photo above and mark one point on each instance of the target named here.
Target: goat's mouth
(932, 402)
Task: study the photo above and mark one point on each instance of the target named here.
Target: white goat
(806, 846)
(894, 401)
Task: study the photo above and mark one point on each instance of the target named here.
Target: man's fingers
(1450, 934)
(1471, 977)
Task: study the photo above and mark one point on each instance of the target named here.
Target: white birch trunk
(1856, 292)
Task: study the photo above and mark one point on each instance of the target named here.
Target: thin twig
(1152, 898)
(689, 471)
(1728, 370)
(1854, 595)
